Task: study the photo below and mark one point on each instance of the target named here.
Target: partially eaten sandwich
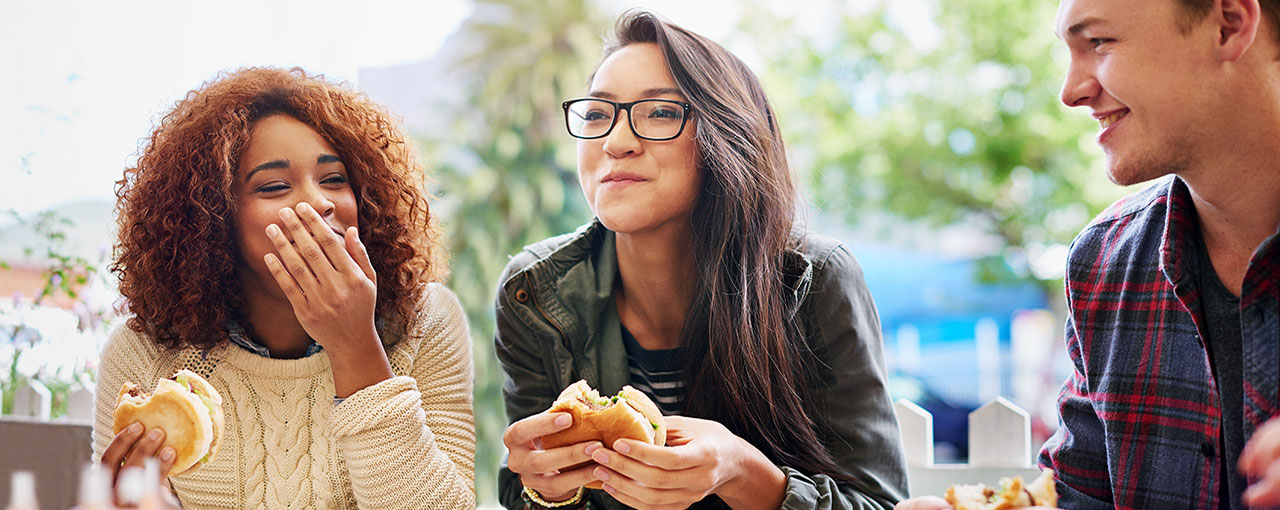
(1011, 494)
(628, 415)
(187, 408)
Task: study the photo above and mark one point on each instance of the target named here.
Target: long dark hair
(747, 366)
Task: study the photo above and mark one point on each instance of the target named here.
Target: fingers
(924, 503)
(120, 445)
(1265, 492)
(1262, 450)
(523, 432)
(558, 486)
(358, 252)
(330, 242)
(671, 458)
(291, 261)
(653, 477)
(148, 446)
(555, 459)
(306, 242)
(635, 495)
(297, 298)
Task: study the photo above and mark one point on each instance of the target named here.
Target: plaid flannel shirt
(1140, 418)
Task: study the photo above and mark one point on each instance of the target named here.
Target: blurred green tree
(510, 168)
(940, 113)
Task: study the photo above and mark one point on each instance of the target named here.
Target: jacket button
(522, 296)
(1208, 450)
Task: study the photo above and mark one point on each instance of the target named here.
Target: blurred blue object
(937, 304)
(941, 297)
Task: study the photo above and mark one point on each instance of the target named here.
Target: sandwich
(628, 415)
(186, 407)
(1011, 494)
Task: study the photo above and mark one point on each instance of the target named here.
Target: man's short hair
(1193, 11)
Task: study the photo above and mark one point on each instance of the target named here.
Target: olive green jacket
(557, 323)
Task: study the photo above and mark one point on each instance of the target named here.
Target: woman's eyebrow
(657, 91)
(270, 165)
(327, 158)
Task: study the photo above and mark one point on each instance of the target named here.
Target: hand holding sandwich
(556, 473)
(552, 451)
(702, 457)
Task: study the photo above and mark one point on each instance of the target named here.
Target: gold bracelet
(536, 498)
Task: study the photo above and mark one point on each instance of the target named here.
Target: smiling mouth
(1107, 121)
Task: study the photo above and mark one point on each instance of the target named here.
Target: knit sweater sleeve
(129, 356)
(409, 441)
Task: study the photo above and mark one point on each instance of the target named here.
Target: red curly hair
(176, 254)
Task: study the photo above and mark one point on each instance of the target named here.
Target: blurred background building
(926, 134)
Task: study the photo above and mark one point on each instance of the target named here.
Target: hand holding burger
(182, 421)
(628, 415)
(551, 451)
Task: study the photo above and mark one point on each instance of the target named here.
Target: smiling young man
(1172, 292)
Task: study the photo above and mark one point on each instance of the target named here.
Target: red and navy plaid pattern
(1140, 415)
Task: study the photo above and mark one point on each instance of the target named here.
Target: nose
(1081, 86)
(622, 141)
(314, 196)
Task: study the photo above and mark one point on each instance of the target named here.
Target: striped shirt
(657, 373)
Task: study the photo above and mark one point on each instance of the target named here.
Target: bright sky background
(85, 79)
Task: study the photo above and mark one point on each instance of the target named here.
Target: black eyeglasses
(651, 119)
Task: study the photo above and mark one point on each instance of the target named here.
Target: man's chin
(1131, 171)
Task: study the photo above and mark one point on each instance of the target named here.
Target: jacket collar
(580, 272)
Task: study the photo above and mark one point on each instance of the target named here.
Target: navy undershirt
(1221, 311)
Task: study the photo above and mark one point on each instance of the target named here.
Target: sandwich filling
(596, 403)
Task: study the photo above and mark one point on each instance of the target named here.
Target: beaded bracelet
(531, 496)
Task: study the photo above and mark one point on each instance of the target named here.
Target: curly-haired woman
(274, 238)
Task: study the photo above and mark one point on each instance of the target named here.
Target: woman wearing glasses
(759, 341)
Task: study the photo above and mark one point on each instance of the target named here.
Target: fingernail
(608, 488)
(166, 454)
(286, 213)
(601, 474)
(273, 229)
(600, 456)
(303, 207)
(135, 428)
(154, 434)
(593, 447)
(621, 446)
(564, 420)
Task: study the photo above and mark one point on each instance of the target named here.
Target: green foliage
(946, 115)
(64, 273)
(510, 169)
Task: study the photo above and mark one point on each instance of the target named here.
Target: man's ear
(1238, 22)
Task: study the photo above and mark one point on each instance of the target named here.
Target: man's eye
(1099, 41)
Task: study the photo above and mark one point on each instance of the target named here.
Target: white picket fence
(999, 446)
(35, 401)
(999, 438)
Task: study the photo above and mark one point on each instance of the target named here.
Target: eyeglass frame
(620, 107)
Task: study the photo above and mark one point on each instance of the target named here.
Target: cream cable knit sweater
(407, 442)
